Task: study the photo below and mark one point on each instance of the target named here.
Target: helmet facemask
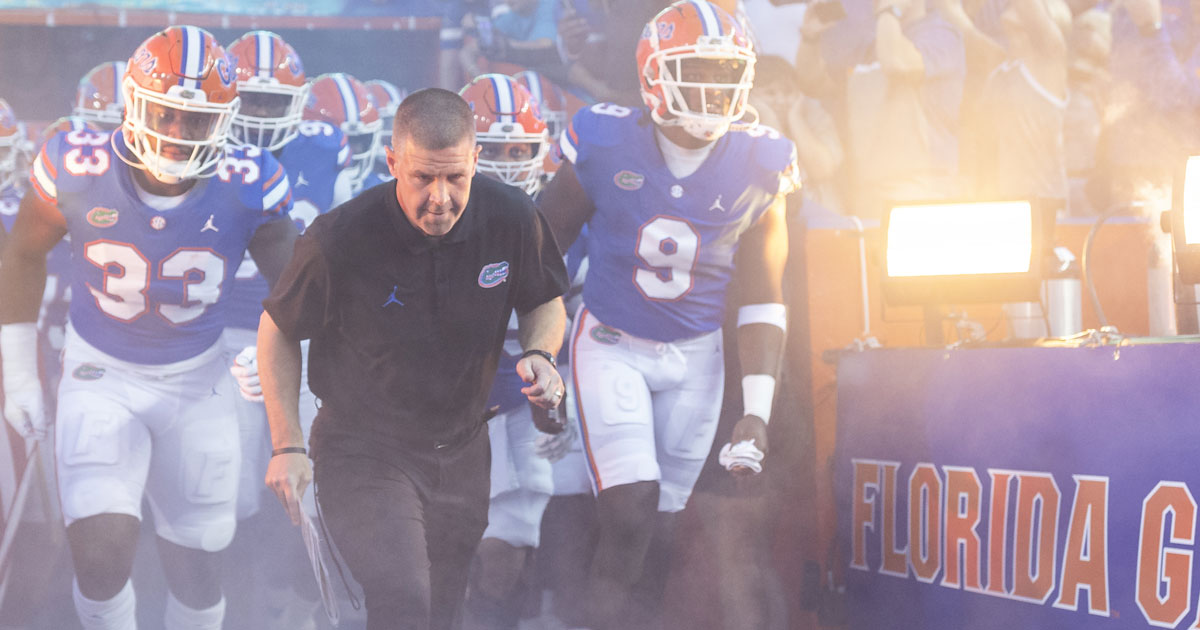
(556, 122)
(177, 135)
(10, 149)
(527, 170)
(270, 113)
(705, 86)
(364, 142)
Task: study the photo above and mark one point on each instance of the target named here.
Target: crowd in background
(1088, 106)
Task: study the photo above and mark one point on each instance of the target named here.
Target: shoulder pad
(320, 137)
(262, 185)
(70, 161)
(777, 154)
(601, 125)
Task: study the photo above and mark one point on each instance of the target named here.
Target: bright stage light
(956, 253)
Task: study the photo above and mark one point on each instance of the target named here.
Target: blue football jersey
(660, 248)
(313, 160)
(375, 178)
(151, 286)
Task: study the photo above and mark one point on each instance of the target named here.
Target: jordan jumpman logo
(392, 298)
(208, 225)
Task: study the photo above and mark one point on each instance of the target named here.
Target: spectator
(903, 109)
(1088, 81)
(782, 105)
(1024, 101)
(1149, 118)
(505, 39)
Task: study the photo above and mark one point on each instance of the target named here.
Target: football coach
(405, 293)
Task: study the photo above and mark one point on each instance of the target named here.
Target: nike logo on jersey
(716, 205)
(300, 181)
(208, 225)
(392, 298)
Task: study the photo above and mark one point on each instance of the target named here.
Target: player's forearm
(271, 247)
(279, 362)
(760, 346)
(22, 282)
(543, 327)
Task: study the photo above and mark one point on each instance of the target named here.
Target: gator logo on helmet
(102, 217)
(144, 60)
(225, 70)
(493, 274)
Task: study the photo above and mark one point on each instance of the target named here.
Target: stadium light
(965, 253)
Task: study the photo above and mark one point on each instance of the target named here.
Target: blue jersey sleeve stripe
(42, 180)
(281, 190)
(271, 181)
(281, 207)
(568, 144)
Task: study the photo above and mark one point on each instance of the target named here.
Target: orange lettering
(1085, 563)
(998, 532)
(866, 478)
(1033, 578)
(924, 522)
(964, 494)
(895, 561)
(1158, 564)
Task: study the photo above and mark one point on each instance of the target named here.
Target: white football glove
(245, 370)
(24, 407)
(555, 446)
(744, 454)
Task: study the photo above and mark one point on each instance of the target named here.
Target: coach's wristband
(289, 449)
(541, 353)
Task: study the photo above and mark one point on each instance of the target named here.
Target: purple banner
(1020, 488)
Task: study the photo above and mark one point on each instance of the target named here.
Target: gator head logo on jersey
(628, 180)
(605, 335)
(102, 217)
(88, 372)
(493, 274)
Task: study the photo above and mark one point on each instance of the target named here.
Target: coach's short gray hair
(434, 118)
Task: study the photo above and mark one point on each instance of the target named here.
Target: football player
(682, 202)
(386, 98)
(159, 216)
(341, 100)
(99, 98)
(512, 139)
(273, 91)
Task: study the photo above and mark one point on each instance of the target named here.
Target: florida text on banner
(1030, 487)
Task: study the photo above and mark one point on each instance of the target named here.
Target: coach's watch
(541, 353)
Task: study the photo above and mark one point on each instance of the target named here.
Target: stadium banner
(1027, 487)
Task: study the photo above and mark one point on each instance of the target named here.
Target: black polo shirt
(406, 330)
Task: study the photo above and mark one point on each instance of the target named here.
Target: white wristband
(773, 314)
(19, 344)
(758, 392)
